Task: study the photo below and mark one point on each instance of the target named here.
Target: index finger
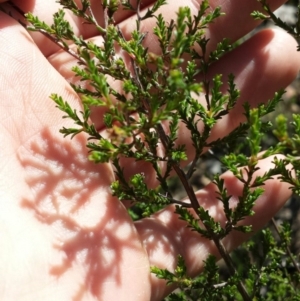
(234, 24)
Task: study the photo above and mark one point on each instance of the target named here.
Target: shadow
(91, 228)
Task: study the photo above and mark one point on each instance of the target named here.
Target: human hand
(64, 237)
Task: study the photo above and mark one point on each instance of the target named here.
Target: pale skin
(64, 237)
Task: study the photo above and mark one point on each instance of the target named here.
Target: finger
(165, 236)
(234, 24)
(262, 66)
(64, 232)
(236, 12)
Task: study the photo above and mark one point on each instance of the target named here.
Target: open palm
(64, 237)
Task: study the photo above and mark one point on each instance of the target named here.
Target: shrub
(158, 95)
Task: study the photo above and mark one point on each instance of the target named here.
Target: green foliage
(268, 266)
(294, 30)
(159, 93)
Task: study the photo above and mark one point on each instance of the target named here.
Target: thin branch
(288, 250)
(138, 13)
(46, 34)
(192, 166)
(181, 203)
(92, 16)
(62, 46)
(195, 205)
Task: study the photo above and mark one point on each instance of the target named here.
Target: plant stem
(287, 247)
(192, 196)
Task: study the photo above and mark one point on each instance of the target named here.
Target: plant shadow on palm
(72, 196)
